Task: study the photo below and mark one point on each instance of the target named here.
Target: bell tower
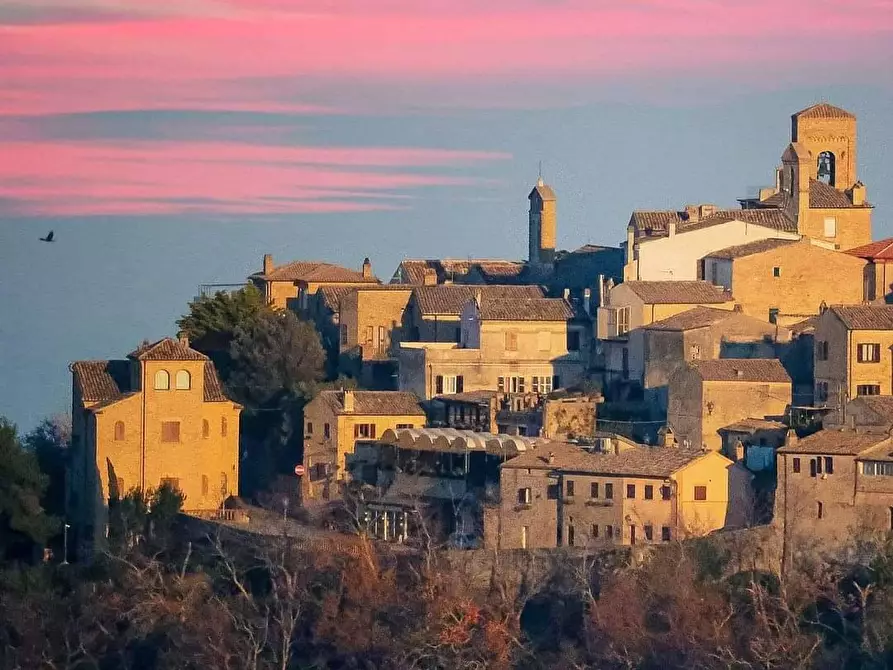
(828, 134)
(542, 225)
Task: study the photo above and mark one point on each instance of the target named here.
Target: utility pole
(65, 544)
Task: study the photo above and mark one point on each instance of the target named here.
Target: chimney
(347, 401)
(666, 438)
(268, 263)
(566, 294)
(671, 229)
(478, 297)
(858, 194)
(739, 373)
(429, 278)
(778, 171)
(691, 212)
(184, 340)
(791, 438)
(587, 301)
(367, 269)
(706, 210)
(551, 457)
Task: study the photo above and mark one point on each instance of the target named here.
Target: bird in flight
(48, 238)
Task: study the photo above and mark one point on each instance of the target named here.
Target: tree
(23, 522)
(212, 322)
(49, 442)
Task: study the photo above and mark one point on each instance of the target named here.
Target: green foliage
(23, 521)
(138, 517)
(49, 442)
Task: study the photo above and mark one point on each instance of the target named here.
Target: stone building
(477, 271)
(334, 421)
(706, 396)
(834, 485)
(853, 354)
(158, 416)
(786, 281)
(615, 493)
(511, 346)
(703, 333)
(291, 286)
(878, 281)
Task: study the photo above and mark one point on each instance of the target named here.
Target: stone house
(867, 411)
(334, 421)
(786, 281)
(507, 345)
(833, 485)
(753, 441)
(878, 281)
(704, 333)
(291, 286)
(432, 272)
(158, 416)
(631, 306)
(615, 493)
(853, 354)
(706, 396)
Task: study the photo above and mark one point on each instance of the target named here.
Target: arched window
(206, 429)
(119, 431)
(162, 380)
(223, 426)
(182, 382)
(826, 167)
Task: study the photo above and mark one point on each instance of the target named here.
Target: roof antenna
(539, 177)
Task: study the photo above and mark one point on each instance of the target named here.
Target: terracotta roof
(805, 326)
(213, 386)
(865, 317)
(527, 309)
(656, 223)
(823, 110)
(881, 405)
(332, 295)
(544, 191)
(449, 299)
(690, 319)
(693, 292)
(167, 349)
(469, 396)
(637, 461)
(106, 382)
(753, 425)
(316, 271)
(384, 403)
(824, 196)
(831, 441)
(452, 270)
(751, 248)
(741, 370)
(881, 250)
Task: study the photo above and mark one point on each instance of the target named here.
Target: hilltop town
(721, 373)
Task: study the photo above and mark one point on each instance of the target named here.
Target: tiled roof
(167, 349)
(742, 370)
(526, 309)
(753, 425)
(865, 317)
(213, 386)
(469, 396)
(316, 271)
(823, 110)
(881, 250)
(638, 461)
(656, 223)
(805, 326)
(544, 191)
(453, 270)
(751, 248)
(881, 405)
(106, 382)
(693, 292)
(831, 441)
(824, 196)
(332, 295)
(449, 299)
(690, 319)
(385, 403)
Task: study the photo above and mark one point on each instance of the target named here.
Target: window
(868, 389)
(570, 533)
(170, 431)
(511, 341)
(556, 382)
(632, 534)
(309, 429)
(664, 533)
(541, 384)
(573, 340)
(829, 465)
(525, 533)
(877, 468)
(869, 353)
(649, 533)
(593, 490)
(795, 466)
(821, 350)
(609, 491)
(364, 430)
(500, 384)
(830, 226)
(182, 380)
(173, 482)
(622, 321)
(449, 384)
(776, 271)
(544, 341)
(327, 430)
(514, 384)
(609, 532)
(162, 380)
(119, 431)
(205, 485)
(813, 468)
(552, 492)
(594, 531)
(569, 488)
(343, 333)
(630, 490)
(773, 315)
(825, 168)
(700, 493)
(664, 492)
(819, 510)
(649, 492)
(458, 335)
(694, 352)
(821, 391)
(206, 429)
(524, 496)
(223, 426)
(405, 426)
(224, 484)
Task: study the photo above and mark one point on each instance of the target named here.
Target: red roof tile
(383, 403)
(881, 250)
(449, 299)
(823, 110)
(316, 271)
(527, 309)
(741, 370)
(865, 317)
(413, 271)
(167, 349)
(694, 292)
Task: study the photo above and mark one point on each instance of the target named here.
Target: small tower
(543, 224)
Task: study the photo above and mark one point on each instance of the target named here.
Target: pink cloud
(142, 177)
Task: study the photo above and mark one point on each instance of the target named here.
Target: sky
(173, 144)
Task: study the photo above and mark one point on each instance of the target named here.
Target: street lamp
(65, 544)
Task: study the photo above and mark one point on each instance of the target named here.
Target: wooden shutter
(460, 383)
(438, 385)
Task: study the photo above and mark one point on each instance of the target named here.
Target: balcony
(210, 290)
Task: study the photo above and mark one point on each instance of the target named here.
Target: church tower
(543, 224)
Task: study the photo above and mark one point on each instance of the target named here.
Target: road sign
(299, 470)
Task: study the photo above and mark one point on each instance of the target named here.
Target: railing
(231, 515)
(210, 290)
